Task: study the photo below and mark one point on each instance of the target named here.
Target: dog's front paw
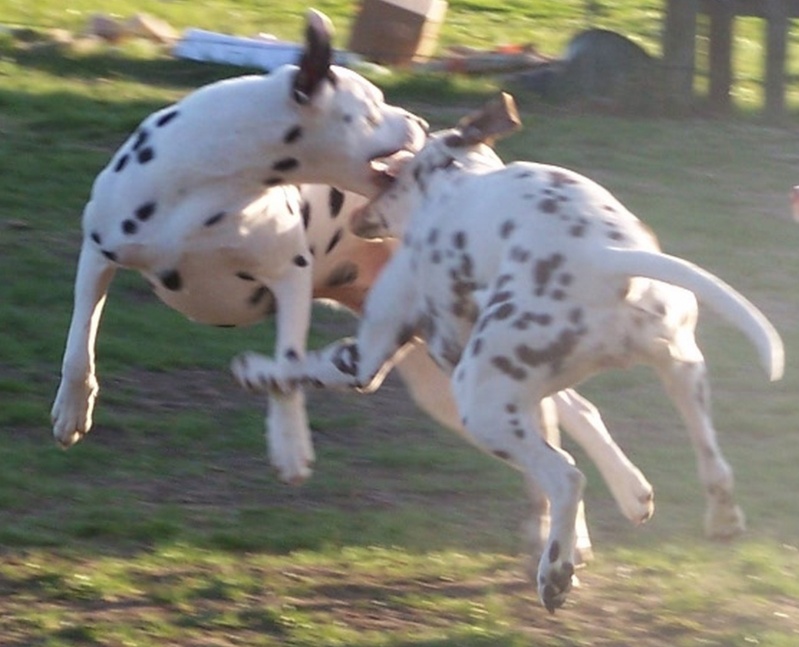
(291, 449)
(71, 414)
(555, 577)
(259, 374)
(635, 497)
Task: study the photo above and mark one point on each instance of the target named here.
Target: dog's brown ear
(316, 58)
(498, 118)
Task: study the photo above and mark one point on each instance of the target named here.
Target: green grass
(166, 525)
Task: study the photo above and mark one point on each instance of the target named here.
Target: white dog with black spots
(201, 199)
(523, 280)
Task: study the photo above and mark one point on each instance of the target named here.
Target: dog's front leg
(633, 493)
(287, 430)
(385, 331)
(72, 410)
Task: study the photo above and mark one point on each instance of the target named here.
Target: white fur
(192, 201)
(524, 280)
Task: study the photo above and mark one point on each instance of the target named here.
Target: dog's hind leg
(430, 388)
(685, 380)
(496, 412)
(723, 517)
(74, 402)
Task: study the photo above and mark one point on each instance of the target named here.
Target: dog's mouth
(386, 166)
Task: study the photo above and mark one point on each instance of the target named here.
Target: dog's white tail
(708, 288)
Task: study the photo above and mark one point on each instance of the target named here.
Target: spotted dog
(523, 280)
(201, 201)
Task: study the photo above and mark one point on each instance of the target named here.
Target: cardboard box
(396, 32)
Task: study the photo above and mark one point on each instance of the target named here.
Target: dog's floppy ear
(498, 118)
(316, 58)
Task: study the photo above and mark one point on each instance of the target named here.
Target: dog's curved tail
(709, 289)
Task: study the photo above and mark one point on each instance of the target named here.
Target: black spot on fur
(292, 135)
(344, 274)
(245, 276)
(576, 316)
(300, 261)
(335, 201)
(145, 155)
(141, 138)
(335, 240)
(459, 240)
(273, 181)
(346, 359)
(554, 551)
(286, 164)
(171, 280)
(292, 355)
(553, 354)
(305, 211)
(504, 311)
(548, 205)
(519, 432)
(122, 162)
(109, 255)
(164, 119)
(96, 238)
(129, 227)
(511, 408)
(216, 218)
(577, 231)
(258, 295)
(561, 178)
(507, 228)
(504, 365)
(502, 455)
(500, 297)
(145, 211)
(519, 254)
(543, 270)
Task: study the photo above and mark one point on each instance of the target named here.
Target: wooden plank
(776, 48)
(679, 60)
(750, 8)
(721, 17)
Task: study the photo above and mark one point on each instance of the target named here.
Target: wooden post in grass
(776, 43)
(721, 14)
(678, 53)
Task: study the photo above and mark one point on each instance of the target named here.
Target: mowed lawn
(165, 526)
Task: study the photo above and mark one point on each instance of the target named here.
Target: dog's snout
(422, 124)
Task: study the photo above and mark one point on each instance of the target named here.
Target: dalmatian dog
(202, 200)
(524, 280)
(344, 268)
(195, 201)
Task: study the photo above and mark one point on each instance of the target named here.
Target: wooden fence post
(679, 58)
(721, 14)
(776, 44)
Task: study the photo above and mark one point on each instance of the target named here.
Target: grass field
(165, 525)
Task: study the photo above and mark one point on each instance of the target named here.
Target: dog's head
(345, 128)
(467, 148)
